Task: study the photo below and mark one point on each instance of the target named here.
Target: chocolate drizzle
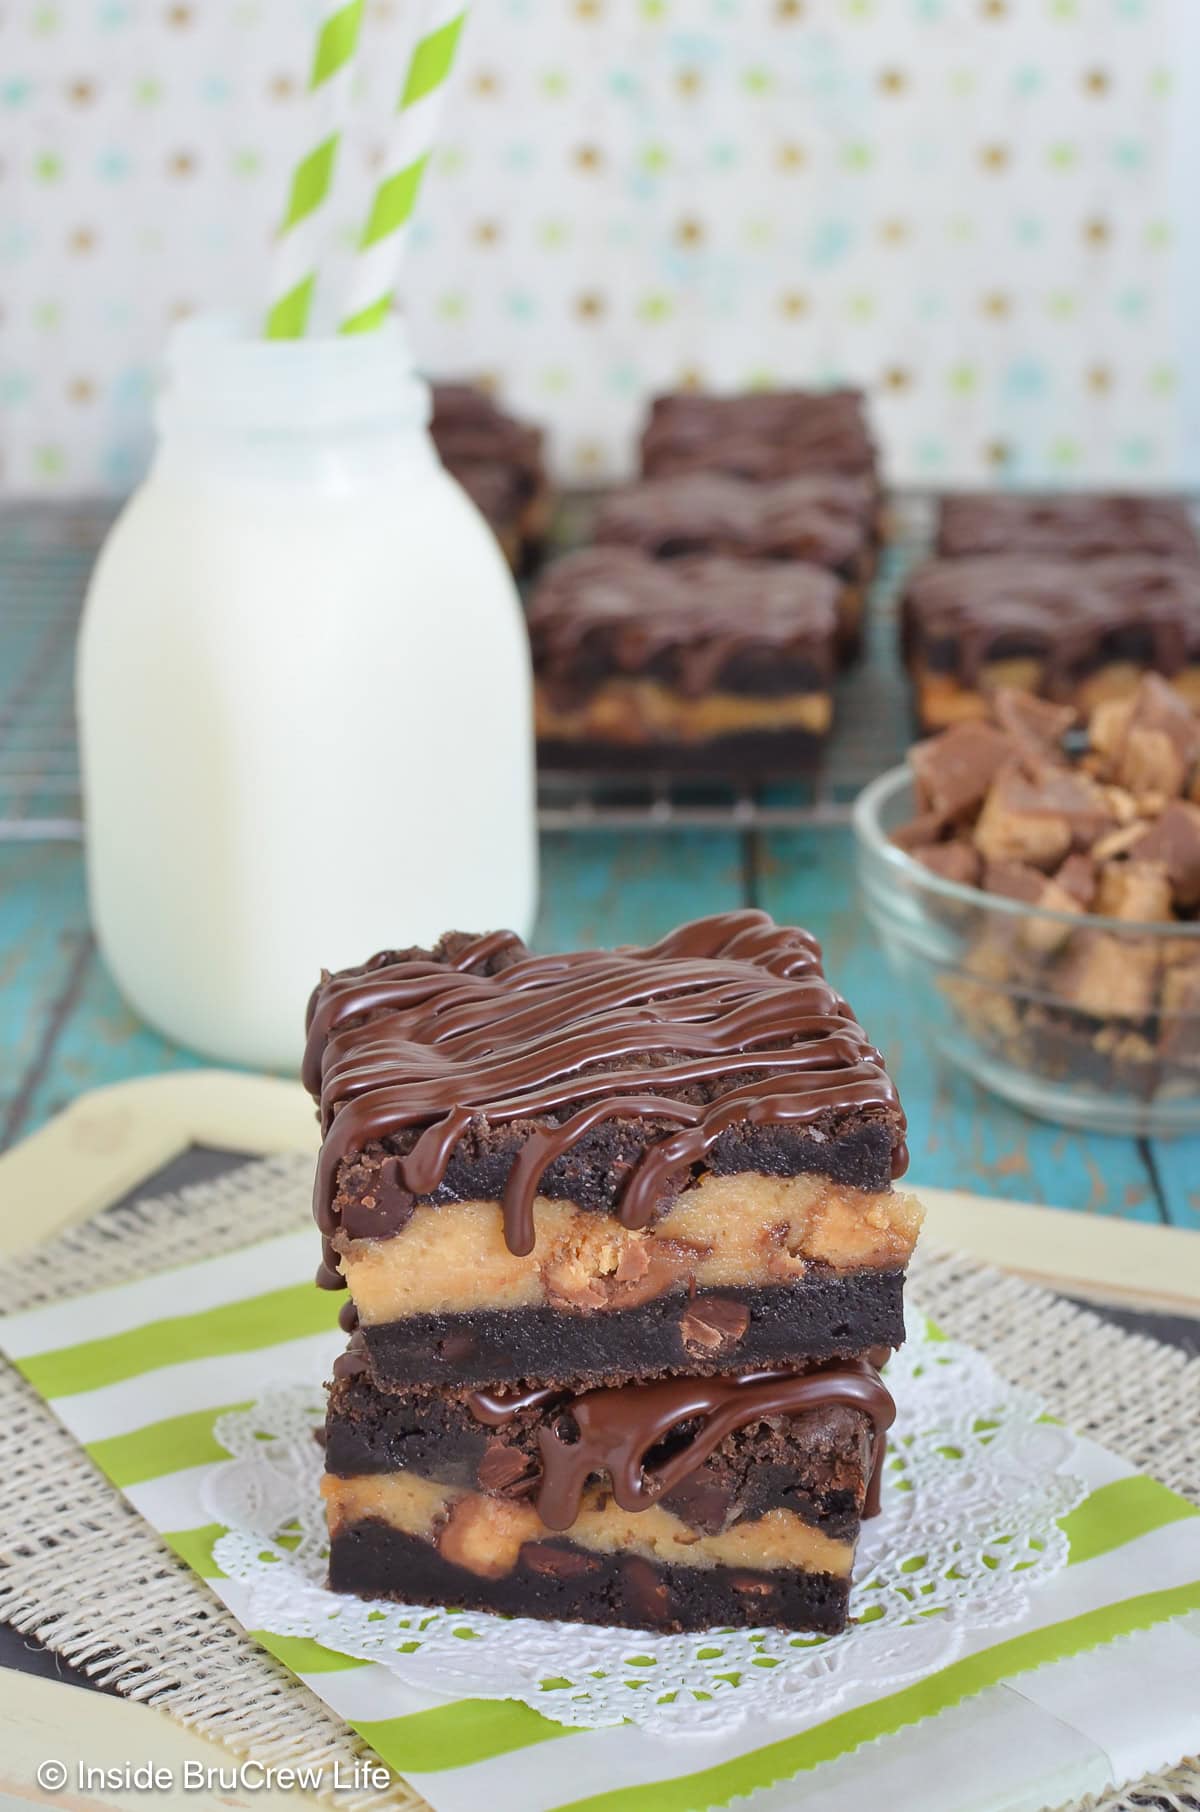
(820, 517)
(1076, 525)
(615, 607)
(1062, 611)
(416, 1049)
(610, 1434)
(495, 1408)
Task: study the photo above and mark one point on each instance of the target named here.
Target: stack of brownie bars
(623, 1253)
(1070, 596)
(703, 629)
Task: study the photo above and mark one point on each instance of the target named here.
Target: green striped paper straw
(377, 260)
(294, 273)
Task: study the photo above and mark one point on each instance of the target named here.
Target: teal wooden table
(64, 1028)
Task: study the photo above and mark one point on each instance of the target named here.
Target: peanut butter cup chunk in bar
(700, 662)
(679, 1504)
(607, 1164)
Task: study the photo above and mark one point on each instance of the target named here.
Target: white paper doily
(976, 1481)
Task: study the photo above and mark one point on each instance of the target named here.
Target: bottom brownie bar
(691, 662)
(675, 1504)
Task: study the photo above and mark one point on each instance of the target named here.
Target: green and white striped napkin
(1030, 1716)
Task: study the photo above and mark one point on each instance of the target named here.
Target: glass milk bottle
(303, 690)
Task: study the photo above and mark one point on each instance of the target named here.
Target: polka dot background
(966, 205)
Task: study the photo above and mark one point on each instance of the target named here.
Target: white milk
(304, 694)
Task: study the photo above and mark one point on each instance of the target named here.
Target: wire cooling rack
(46, 554)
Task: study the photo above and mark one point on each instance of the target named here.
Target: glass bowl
(1086, 1021)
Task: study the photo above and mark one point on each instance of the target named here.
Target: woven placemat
(81, 1572)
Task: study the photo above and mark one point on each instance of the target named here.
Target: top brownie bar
(768, 434)
(1077, 526)
(609, 1163)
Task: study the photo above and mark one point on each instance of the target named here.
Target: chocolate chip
(702, 1502)
(559, 1563)
(713, 1323)
(751, 1587)
(348, 1316)
(350, 1364)
(503, 1468)
(456, 1347)
(646, 1592)
(382, 1211)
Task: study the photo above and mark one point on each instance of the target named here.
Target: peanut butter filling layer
(944, 700)
(632, 710)
(744, 1230)
(486, 1534)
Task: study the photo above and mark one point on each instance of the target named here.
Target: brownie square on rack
(1074, 631)
(702, 663)
(822, 519)
(758, 434)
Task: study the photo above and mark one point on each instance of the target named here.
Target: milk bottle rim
(220, 375)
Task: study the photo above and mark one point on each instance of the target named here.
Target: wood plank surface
(63, 1025)
(631, 888)
(66, 1028)
(1176, 1164)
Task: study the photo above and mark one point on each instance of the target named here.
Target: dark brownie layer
(372, 1203)
(554, 1580)
(822, 1315)
(756, 754)
(814, 1465)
